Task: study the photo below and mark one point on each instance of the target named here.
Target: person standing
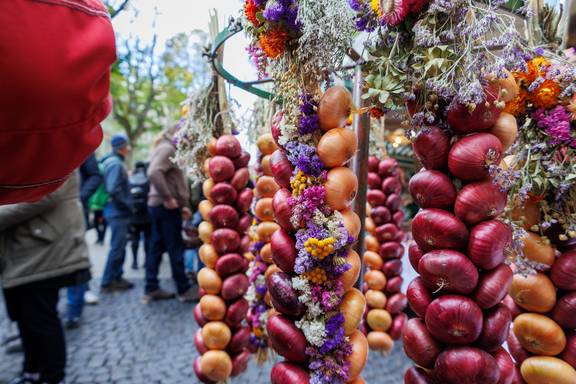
(140, 220)
(42, 249)
(167, 204)
(117, 213)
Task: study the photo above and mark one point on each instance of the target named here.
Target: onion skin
(244, 200)
(199, 317)
(240, 340)
(281, 168)
(515, 310)
(392, 268)
(470, 157)
(284, 297)
(493, 286)
(230, 264)
(419, 298)
(237, 312)
(534, 293)
(198, 372)
(337, 146)
(352, 307)
(351, 222)
(244, 223)
(415, 375)
(396, 303)
(563, 272)
(419, 345)
(373, 163)
(235, 286)
(288, 373)
(539, 334)
(432, 189)
(381, 215)
(535, 249)
(391, 185)
(224, 216)
(394, 285)
(482, 118)
(466, 365)
(516, 350)
(218, 373)
(216, 335)
(414, 255)
(495, 329)
(334, 108)
(240, 363)
(223, 193)
(350, 277)
(341, 188)
(358, 356)
(448, 271)
(376, 299)
(220, 168)
(393, 202)
(455, 320)
(374, 180)
(488, 241)
(266, 144)
(242, 161)
(199, 342)
(225, 240)
(286, 339)
(431, 147)
(479, 201)
(387, 167)
(283, 251)
(386, 232)
(380, 341)
(376, 197)
(373, 260)
(569, 354)
(282, 210)
(390, 250)
(437, 229)
(266, 186)
(564, 312)
(398, 325)
(544, 369)
(229, 146)
(505, 129)
(505, 365)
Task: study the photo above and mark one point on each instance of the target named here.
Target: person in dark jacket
(117, 212)
(42, 249)
(140, 221)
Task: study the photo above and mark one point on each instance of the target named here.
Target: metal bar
(361, 124)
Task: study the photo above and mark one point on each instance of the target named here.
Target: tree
(115, 7)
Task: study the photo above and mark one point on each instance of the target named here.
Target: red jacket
(55, 58)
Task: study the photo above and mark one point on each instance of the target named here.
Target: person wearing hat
(117, 212)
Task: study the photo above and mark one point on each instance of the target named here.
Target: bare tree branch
(116, 11)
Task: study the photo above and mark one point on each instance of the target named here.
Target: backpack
(139, 188)
(100, 198)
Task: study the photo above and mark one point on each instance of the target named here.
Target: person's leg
(115, 262)
(122, 240)
(147, 230)
(154, 256)
(100, 226)
(171, 228)
(135, 243)
(75, 296)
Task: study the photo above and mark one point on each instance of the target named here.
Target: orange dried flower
(273, 42)
(546, 95)
(376, 113)
(571, 107)
(517, 106)
(536, 68)
(250, 11)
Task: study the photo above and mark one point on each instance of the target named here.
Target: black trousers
(136, 232)
(34, 308)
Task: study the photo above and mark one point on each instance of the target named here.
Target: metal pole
(361, 124)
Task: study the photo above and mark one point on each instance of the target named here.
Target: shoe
(124, 284)
(72, 324)
(190, 296)
(117, 285)
(157, 295)
(90, 298)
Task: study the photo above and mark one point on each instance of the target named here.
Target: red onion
(288, 373)
(199, 317)
(199, 374)
(432, 189)
(240, 340)
(386, 232)
(237, 312)
(380, 215)
(448, 271)
(245, 244)
(244, 223)
(437, 229)
(419, 297)
(470, 157)
(374, 181)
(564, 313)
(514, 308)
(220, 168)
(495, 330)
(390, 250)
(376, 197)
(415, 375)
(563, 273)
(431, 147)
(517, 376)
(466, 365)
(281, 168)
(229, 146)
(387, 167)
(569, 354)
(392, 268)
(493, 286)
(282, 210)
(398, 325)
(223, 193)
(414, 255)
(391, 185)
(398, 217)
(284, 251)
(286, 339)
(454, 320)
(396, 303)
(225, 240)
(373, 163)
(284, 297)
(400, 236)
(516, 350)
(394, 285)
(240, 363)
(275, 127)
(505, 364)
(235, 286)
(244, 200)
(479, 201)
(223, 216)
(393, 202)
(419, 345)
(199, 342)
(230, 264)
(240, 178)
(488, 241)
(482, 118)
(242, 161)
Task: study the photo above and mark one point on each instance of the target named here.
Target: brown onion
(563, 273)
(357, 358)
(479, 201)
(350, 277)
(205, 206)
(544, 369)
(471, 156)
(213, 307)
(337, 146)
(229, 146)
(534, 293)
(536, 249)
(437, 229)
(466, 365)
(284, 251)
(220, 168)
(351, 222)
(373, 260)
(223, 193)
(281, 168)
(282, 210)
(216, 365)
(334, 108)
(481, 118)
(380, 341)
(263, 209)
(376, 299)
(448, 271)
(266, 229)
(352, 307)
(210, 281)
(432, 189)
(375, 280)
(495, 330)
(419, 344)
(211, 146)
(216, 335)
(431, 147)
(505, 129)
(266, 144)
(488, 242)
(266, 186)
(539, 334)
(286, 339)
(454, 320)
(288, 373)
(564, 312)
(198, 372)
(493, 286)
(224, 216)
(418, 297)
(265, 165)
(341, 187)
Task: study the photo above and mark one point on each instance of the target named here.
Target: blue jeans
(166, 237)
(115, 263)
(192, 261)
(76, 301)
